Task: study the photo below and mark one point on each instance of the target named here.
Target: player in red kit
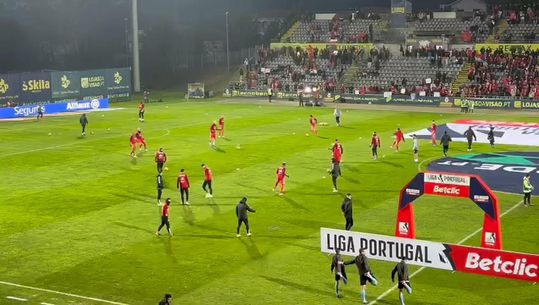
(141, 107)
(399, 138)
(141, 140)
(337, 150)
(221, 127)
(160, 159)
(183, 186)
(433, 133)
(314, 125)
(133, 143)
(375, 144)
(213, 131)
(164, 218)
(281, 175)
(208, 178)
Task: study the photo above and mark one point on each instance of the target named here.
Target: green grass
(79, 215)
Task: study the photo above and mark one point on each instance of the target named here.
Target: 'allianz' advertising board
(31, 110)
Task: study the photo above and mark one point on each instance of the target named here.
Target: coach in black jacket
(346, 209)
(242, 210)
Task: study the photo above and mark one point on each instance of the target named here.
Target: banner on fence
(118, 83)
(65, 85)
(92, 84)
(10, 87)
(35, 87)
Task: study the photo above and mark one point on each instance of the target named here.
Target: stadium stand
(339, 30)
(473, 30)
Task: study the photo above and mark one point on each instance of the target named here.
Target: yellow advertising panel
(508, 47)
(321, 45)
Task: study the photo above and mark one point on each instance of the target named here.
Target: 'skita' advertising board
(488, 262)
(35, 87)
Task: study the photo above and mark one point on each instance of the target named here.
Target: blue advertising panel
(31, 110)
(10, 87)
(35, 87)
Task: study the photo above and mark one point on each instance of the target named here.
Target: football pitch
(78, 215)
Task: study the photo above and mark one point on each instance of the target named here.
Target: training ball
(238, 169)
(383, 156)
(323, 177)
(166, 168)
(293, 133)
(370, 103)
(166, 106)
(50, 134)
(92, 132)
(102, 115)
(108, 128)
(238, 146)
(306, 134)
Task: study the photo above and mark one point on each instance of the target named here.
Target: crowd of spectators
(495, 73)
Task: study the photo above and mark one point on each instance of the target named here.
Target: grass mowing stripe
(383, 295)
(60, 293)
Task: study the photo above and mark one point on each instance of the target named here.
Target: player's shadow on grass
(394, 164)
(252, 249)
(187, 215)
(298, 286)
(295, 204)
(310, 248)
(352, 180)
(214, 206)
(325, 138)
(167, 243)
(226, 139)
(133, 161)
(251, 187)
(121, 224)
(217, 149)
(127, 196)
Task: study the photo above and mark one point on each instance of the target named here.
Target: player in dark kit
(83, 123)
(365, 274)
(470, 135)
(490, 136)
(401, 269)
(347, 212)
(167, 300)
(160, 186)
(208, 178)
(160, 159)
(183, 185)
(164, 218)
(39, 112)
(335, 172)
(444, 141)
(337, 267)
(375, 144)
(242, 210)
(141, 109)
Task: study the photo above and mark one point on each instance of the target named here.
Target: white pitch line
(43, 303)
(61, 293)
(383, 295)
(16, 298)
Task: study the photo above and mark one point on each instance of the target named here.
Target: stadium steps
(500, 29)
(462, 78)
(290, 32)
(349, 75)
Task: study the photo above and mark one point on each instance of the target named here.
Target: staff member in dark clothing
(300, 97)
(337, 267)
(490, 136)
(335, 172)
(83, 122)
(401, 269)
(365, 273)
(164, 218)
(444, 141)
(470, 135)
(160, 186)
(167, 300)
(39, 112)
(241, 212)
(270, 94)
(346, 209)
